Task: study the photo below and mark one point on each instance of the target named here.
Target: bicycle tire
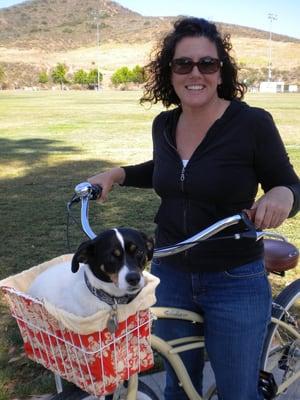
(281, 353)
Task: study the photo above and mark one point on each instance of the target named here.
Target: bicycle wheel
(281, 354)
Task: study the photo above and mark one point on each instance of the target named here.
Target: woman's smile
(195, 87)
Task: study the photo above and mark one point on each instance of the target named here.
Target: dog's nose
(133, 278)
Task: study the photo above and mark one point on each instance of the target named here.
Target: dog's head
(118, 256)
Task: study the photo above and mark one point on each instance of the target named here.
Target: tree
(2, 73)
(92, 78)
(138, 74)
(43, 77)
(122, 75)
(125, 75)
(81, 77)
(59, 74)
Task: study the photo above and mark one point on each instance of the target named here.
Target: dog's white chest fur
(66, 290)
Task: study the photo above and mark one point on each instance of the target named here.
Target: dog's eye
(132, 248)
(117, 253)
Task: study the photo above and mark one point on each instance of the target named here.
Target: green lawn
(50, 141)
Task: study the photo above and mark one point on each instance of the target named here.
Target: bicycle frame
(171, 349)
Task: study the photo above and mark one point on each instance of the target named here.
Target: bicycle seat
(280, 255)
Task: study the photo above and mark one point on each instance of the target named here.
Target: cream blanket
(93, 323)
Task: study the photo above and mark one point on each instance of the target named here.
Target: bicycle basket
(97, 362)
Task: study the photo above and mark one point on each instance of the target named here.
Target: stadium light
(96, 16)
(272, 17)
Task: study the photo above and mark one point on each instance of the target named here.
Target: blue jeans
(236, 306)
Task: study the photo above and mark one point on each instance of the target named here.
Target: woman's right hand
(107, 180)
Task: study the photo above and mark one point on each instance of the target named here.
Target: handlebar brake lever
(248, 235)
(253, 232)
(247, 221)
(75, 199)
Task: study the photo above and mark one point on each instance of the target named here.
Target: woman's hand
(270, 210)
(107, 179)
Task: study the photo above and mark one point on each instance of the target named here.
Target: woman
(209, 155)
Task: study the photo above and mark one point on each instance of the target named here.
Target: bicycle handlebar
(85, 191)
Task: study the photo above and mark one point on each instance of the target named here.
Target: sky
(252, 13)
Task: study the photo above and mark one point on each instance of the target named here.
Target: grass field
(50, 141)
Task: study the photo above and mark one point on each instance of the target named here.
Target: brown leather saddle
(280, 255)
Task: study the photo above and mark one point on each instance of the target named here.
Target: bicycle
(283, 339)
(281, 354)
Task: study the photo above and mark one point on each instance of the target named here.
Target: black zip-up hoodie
(241, 150)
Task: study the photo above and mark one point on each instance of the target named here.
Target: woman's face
(196, 89)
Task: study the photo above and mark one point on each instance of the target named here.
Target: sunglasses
(206, 65)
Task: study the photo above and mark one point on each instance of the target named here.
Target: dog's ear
(149, 245)
(150, 248)
(82, 255)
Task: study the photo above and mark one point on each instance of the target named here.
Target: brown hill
(64, 24)
(37, 34)
(55, 25)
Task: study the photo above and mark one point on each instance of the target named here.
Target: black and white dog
(110, 272)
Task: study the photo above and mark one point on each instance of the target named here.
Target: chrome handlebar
(85, 191)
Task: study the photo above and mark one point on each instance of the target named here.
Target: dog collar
(107, 298)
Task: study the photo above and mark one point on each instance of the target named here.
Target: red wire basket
(97, 362)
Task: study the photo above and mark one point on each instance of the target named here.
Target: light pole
(271, 17)
(96, 15)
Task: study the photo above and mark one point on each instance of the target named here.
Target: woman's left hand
(270, 210)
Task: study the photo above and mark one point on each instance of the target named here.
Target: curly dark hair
(158, 86)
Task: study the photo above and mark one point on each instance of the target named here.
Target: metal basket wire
(97, 362)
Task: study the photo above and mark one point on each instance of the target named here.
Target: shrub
(93, 76)
(58, 74)
(90, 78)
(2, 73)
(124, 75)
(81, 77)
(43, 77)
(138, 74)
(68, 30)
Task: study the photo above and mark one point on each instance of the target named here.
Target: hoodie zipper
(181, 183)
(182, 179)
(182, 174)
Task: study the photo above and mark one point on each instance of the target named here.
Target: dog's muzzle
(133, 279)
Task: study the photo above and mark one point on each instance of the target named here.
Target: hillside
(37, 34)
(64, 24)
(54, 25)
